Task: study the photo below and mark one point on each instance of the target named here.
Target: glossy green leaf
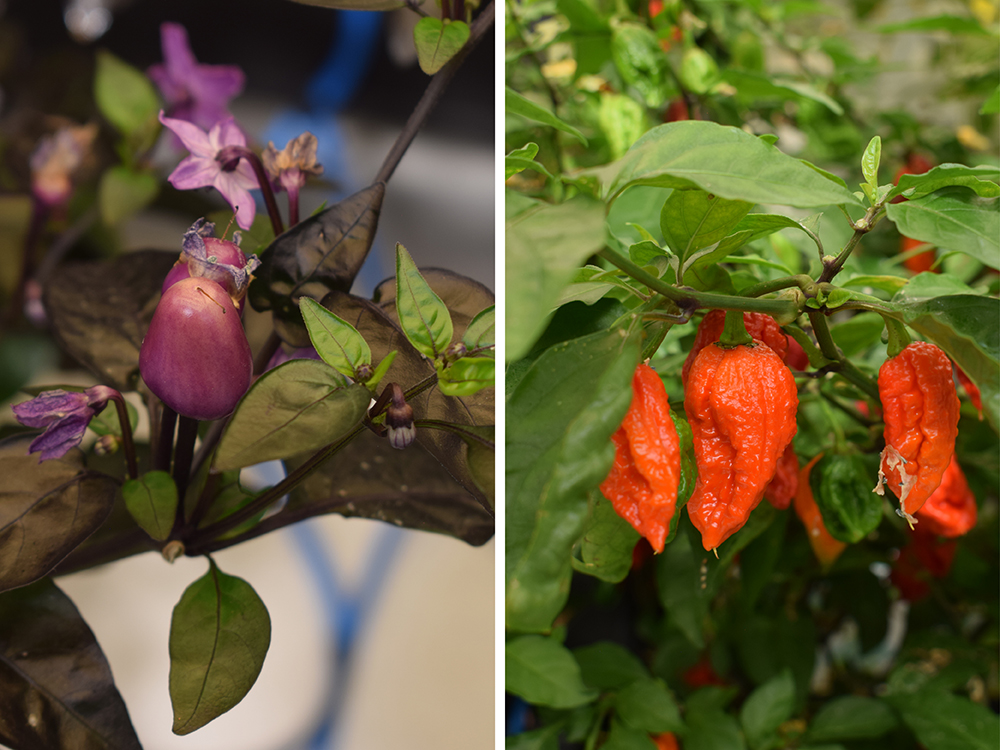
(606, 545)
(423, 317)
(482, 330)
(956, 324)
(953, 218)
(928, 285)
(124, 192)
(754, 88)
(336, 341)
(943, 721)
(621, 736)
(467, 375)
(992, 104)
(560, 418)
(609, 666)
(56, 688)
(544, 672)
(125, 96)
(858, 334)
(438, 41)
(521, 159)
(219, 635)
(546, 738)
(647, 704)
(870, 161)
(982, 180)
(299, 406)
(692, 220)
(46, 509)
(518, 104)
(766, 708)
(851, 717)
(951, 24)
(710, 728)
(152, 501)
(640, 61)
(679, 583)
(545, 246)
(724, 161)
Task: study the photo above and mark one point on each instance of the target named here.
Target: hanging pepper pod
(971, 390)
(926, 556)
(921, 409)
(841, 486)
(825, 547)
(741, 403)
(760, 327)
(781, 489)
(642, 485)
(951, 509)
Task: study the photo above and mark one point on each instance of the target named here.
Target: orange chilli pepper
(642, 485)
(921, 409)
(971, 390)
(759, 326)
(781, 489)
(951, 509)
(915, 164)
(825, 547)
(665, 741)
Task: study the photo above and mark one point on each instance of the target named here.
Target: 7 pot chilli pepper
(921, 409)
(642, 485)
(825, 547)
(951, 509)
(760, 327)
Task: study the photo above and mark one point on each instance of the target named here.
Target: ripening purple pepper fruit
(195, 356)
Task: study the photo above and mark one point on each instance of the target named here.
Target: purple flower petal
(233, 189)
(50, 406)
(194, 138)
(178, 58)
(226, 133)
(61, 436)
(194, 172)
(217, 84)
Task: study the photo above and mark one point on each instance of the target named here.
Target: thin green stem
(801, 280)
(840, 364)
(734, 331)
(862, 227)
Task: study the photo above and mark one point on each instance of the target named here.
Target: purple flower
(194, 92)
(64, 416)
(202, 169)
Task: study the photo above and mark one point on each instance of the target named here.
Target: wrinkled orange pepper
(825, 547)
(759, 326)
(741, 404)
(921, 409)
(642, 484)
(951, 509)
(781, 489)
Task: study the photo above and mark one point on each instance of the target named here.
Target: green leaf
(302, 405)
(607, 544)
(381, 369)
(545, 246)
(517, 104)
(954, 219)
(711, 729)
(942, 721)
(636, 54)
(691, 220)
(47, 509)
(609, 666)
(928, 285)
(679, 581)
(951, 24)
(544, 672)
(981, 180)
(219, 635)
(467, 375)
(622, 120)
(125, 96)
(956, 325)
(423, 317)
(124, 192)
(152, 501)
(754, 88)
(438, 41)
(724, 161)
(621, 736)
(858, 334)
(560, 418)
(546, 738)
(851, 717)
(766, 708)
(647, 704)
(870, 161)
(992, 104)
(699, 71)
(336, 341)
(482, 331)
(523, 158)
(56, 687)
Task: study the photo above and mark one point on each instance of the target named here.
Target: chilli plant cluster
(751, 451)
(380, 408)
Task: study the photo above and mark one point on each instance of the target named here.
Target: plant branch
(164, 448)
(432, 94)
(455, 429)
(862, 227)
(128, 444)
(187, 434)
(839, 363)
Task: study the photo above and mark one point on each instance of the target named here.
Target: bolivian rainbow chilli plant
(751, 446)
(407, 375)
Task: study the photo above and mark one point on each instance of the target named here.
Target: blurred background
(380, 637)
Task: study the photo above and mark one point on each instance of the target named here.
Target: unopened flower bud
(455, 351)
(363, 373)
(399, 420)
(106, 445)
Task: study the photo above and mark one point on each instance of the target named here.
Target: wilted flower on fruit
(64, 415)
(208, 257)
(193, 91)
(195, 356)
(55, 161)
(203, 169)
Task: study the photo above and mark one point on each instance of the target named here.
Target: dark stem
(229, 157)
(127, 443)
(435, 89)
(187, 434)
(455, 429)
(208, 443)
(204, 500)
(293, 207)
(164, 448)
(15, 308)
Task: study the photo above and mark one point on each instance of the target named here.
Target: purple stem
(230, 156)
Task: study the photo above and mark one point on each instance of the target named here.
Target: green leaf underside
(125, 96)
(723, 161)
(851, 717)
(299, 406)
(45, 704)
(606, 545)
(335, 340)
(543, 672)
(438, 41)
(482, 331)
(152, 501)
(517, 104)
(423, 316)
(767, 708)
(467, 375)
(219, 635)
(982, 180)
(943, 721)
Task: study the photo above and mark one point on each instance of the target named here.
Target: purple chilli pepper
(195, 356)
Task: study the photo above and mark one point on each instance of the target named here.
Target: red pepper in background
(971, 390)
(951, 509)
(915, 164)
(702, 674)
(677, 110)
(741, 405)
(825, 547)
(760, 327)
(665, 741)
(796, 357)
(781, 489)
(642, 485)
(921, 410)
(925, 556)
